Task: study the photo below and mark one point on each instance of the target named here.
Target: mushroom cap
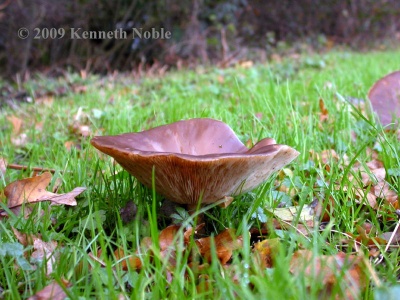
(195, 159)
(385, 97)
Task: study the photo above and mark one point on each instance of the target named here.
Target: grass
(285, 97)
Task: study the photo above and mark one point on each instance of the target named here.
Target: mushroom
(195, 160)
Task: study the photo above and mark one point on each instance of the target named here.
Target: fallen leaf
(24, 238)
(365, 237)
(364, 196)
(125, 260)
(53, 291)
(385, 98)
(80, 130)
(246, 64)
(303, 213)
(225, 244)
(33, 189)
(45, 100)
(45, 251)
(20, 140)
(382, 190)
(392, 236)
(69, 145)
(323, 116)
(340, 270)
(167, 236)
(27, 190)
(16, 124)
(264, 252)
(325, 157)
(62, 199)
(79, 89)
(192, 231)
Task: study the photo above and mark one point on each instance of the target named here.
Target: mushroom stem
(192, 209)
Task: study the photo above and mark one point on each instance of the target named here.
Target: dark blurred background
(202, 31)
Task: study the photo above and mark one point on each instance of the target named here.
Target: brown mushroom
(385, 98)
(195, 160)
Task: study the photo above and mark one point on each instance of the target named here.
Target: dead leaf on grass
(325, 157)
(125, 260)
(16, 124)
(225, 243)
(385, 98)
(45, 251)
(63, 199)
(264, 252)
(53, 291)
(33, 189)
(27, 190)
(46, 100)
(366, 235)
(24, 238)
(340, 270)
(383, 191)
(20, 140)
(323, 116)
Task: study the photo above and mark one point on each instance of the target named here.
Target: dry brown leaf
(225, 244)
(323, 111)
(133, 261)
(246, 64)
(371, 174)
(190, 231)
(69, 145)
(27, 190)
(80, 129)
(45, 100)
(167, 236)
(53, 291)
(393, 237)
(365, 197)
(325, 157)
(62, 199)
(221, 79)
(385, 98)
(375, 164)
(79, 89)
(16, 124)
(24, 238)
(45, 251)
(20, 140)
(345, 271)
(382, 190)
(31, 190)
(264, 252)
(365, 236)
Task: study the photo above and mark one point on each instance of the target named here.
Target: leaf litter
(366, 182)
(33, 189)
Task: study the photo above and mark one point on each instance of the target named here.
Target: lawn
(313, 103)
